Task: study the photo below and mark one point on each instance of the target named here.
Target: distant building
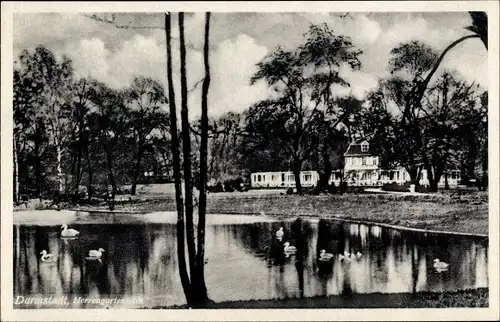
(361, 168)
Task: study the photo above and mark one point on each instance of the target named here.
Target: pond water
(244, 261)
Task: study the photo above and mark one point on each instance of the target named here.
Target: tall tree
(409, 62)
(186, 149)
(302, 81)
(184, 277)
(199, 278)
(479, 28)
(193, 283)
(443, 109)
(144, 99)
(51, 81)
(108, 123)
(331, 133)
(81, 92)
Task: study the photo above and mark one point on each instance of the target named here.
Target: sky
(238, 41)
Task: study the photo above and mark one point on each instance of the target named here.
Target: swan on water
(440, 266)
(289, 249)
(280, 233)
(346, 258)
(96, 253)
(324, 256)
(47, 257)
(69, 232)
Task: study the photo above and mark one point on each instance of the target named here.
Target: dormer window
(364, 147)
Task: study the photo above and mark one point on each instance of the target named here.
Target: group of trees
(70, 132)
(445, 131)
(79, 132)
(413, 119)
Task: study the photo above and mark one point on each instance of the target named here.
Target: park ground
(453, 210)
(456, 299)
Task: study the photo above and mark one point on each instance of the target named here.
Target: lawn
(465, 298)
(452, 211)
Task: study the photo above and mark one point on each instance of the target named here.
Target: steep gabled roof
(354, 149)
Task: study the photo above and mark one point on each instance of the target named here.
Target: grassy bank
(465, 298)
(446, 212)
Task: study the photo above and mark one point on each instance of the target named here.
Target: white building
(361, 169)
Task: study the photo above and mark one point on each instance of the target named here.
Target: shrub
(289, 191)
(396, 187)
(332, 188)
(343, 187)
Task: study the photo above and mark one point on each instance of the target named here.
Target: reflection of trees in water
(331, 237)
(140, 259)
(260, 238)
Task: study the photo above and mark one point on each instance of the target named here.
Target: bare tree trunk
(111, 177)
(297, 167)
(38, 159)
(16, 171)
(90, 174)
(137, 170)
(199, 281)
(79, 156)
(177, 167)
(324, 175)
(434, 174)
(186, 143)
(60, 178)
(414, 172)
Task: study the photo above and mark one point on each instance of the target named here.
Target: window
(258, 178)
(263, 177)
(363, 161)
(364, 147)
(307, 177)
(282, 177)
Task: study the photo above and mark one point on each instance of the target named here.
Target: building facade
(361, 168)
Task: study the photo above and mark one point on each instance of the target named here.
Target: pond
(245, 261)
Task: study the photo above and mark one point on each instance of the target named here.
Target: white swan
(280, 233)
(440, 266)
(324, 256)
(96, 253)
(289, 249)
(47, 257)
(69, 232)
(346, 258)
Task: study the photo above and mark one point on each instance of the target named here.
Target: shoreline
(460, 215)
(450, 299)
(348, 220)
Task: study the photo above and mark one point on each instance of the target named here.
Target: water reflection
(244, 261)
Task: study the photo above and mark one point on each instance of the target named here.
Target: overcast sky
(238, 42)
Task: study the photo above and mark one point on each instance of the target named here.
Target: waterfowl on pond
(47, 258)
(346, 258)
(96, 253)
(440, 266)
(324, 256)
(69, 232)
(289, 249)
(280, 233)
